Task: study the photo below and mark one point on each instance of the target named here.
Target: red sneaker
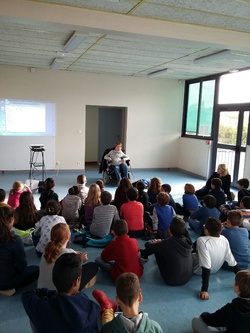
(103, 300)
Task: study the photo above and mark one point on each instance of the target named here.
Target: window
(200, 108)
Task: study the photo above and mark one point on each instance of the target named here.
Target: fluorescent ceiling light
(212, 57)
(75, 40)
(56, 63)
(158, 73)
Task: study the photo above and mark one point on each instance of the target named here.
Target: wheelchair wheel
(106, 178)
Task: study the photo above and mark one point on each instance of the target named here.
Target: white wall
(153, 123)
(194, 156)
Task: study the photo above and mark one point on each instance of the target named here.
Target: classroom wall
(154, 115)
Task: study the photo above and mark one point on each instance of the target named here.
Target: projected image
(26, 118)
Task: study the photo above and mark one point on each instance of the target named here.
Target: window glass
(206, 108)
(234, 88)
(192, 108)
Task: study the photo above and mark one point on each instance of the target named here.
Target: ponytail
(6, 213)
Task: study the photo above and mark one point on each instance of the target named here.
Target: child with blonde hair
(93, 200)
(60, 236)
(14, 195)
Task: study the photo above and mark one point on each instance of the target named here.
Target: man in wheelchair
(118, 160)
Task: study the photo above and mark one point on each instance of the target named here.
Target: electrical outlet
(57, 162)
(78, 162)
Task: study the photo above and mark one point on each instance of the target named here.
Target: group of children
(137, 211)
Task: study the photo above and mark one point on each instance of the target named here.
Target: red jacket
(124, 251)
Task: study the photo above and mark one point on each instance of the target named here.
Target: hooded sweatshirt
(174, 259)
(51, 312)
(137, 324)
(234, 316)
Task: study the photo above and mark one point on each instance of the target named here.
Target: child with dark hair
(81, 183)
(142, 195)
(198, 218)
(41, 234)
(26, 214)
(48, 193)
(234, 316)
(100, 183)
(212, 250)
(71, 205)
(65, 310)
(243, 185)
(217, 192)
(121, 193)
(129, 296)
(133, 213)
(244, 207)
(121, 254)
(103, 216)
(14, 271)
(162, 216)
(173, 255)
(167, 188)
(2, 197)
(237, 237)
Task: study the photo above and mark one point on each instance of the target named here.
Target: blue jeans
(121, 169)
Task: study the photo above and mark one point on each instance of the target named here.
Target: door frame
(230, 107)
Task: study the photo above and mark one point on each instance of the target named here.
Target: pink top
(14, 198)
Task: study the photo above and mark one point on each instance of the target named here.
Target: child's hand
(83, 256)
(203, 295)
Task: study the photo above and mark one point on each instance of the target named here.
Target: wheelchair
(107, 169)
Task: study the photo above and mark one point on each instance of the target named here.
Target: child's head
(125, 184)
(53, 207)
(81, 179)
(6, 223)
(128, 289)
(245, 202)
(49, 184)
(17, 186)
(106, 197)
(210, 201)
(2, 195)
(213, 226)
(166, 188)
(100, 183)
(189, 189)
(155, 184)
(94, 195)
(243, 183)
(235, 217)
(120, 227)
(177, 227)
(26, 200)
(140, 186)
(59, 235)
(74, 190)
(163, 199)
(132, 194)
(216, 183)
(242, 283)
(67, 269)
(118, 146)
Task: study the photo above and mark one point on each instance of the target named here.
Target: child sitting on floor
(71, 205)
(162, 216)
(233, 317)
(81, 183)
(121, 254)
(190, 201)
(198, 218)
(14, 196)
(243, 185)
(217, 192)
(103, 216)
(237, 237)
(212, 250)
(129, 296)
